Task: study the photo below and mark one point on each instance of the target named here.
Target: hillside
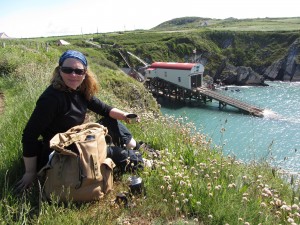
(234, 57)
(193, 182)
(234, 51)
(233, 24)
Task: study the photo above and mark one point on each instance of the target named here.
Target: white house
(187, 75)
(62, 42)
(3, 35)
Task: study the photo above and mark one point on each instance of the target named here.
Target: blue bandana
(72, 54)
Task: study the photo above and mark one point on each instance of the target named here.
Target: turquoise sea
(275, 137)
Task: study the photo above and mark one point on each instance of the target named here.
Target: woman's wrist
(125, 117)
(30, 164)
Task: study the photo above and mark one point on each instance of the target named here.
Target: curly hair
(89, 86)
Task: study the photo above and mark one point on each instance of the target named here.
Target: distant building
(187, 75)
(204, 24)
(3, 35)
(62, 42)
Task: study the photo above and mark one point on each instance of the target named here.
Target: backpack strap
(95, 166)
(80, 175)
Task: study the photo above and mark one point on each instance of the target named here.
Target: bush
(7, 67)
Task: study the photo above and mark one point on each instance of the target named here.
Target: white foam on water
(269, 114)
(295, 84)
(291, 120)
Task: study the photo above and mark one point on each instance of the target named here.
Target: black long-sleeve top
(55, 112)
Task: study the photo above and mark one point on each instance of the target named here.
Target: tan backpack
(84, 174)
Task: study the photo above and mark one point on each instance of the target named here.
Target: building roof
(173, 65)
(63, 42)
(3, 35)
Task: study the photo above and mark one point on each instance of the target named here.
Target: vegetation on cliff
(216, 45)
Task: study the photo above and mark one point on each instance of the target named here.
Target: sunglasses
(69, 70)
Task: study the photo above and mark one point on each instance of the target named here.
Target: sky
(43, 18)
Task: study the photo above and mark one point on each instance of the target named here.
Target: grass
(192, 183)
(255, 24)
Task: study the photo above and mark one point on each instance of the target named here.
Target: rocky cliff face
(286, 68)
(241, 75)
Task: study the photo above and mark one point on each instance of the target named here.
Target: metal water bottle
(136, 185)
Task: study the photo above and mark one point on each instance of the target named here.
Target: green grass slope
(192, 183)
(233, 24)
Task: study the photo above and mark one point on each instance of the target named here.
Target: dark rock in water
(241, 75)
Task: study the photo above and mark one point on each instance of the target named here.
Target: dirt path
(1, 102)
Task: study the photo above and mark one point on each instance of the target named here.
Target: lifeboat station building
(186, 75)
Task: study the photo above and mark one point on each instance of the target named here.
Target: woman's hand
(131, 118)
(29, 176)
(26, 181)
(121, 115)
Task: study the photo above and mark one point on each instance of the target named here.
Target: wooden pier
(225, 100)
(160, 87)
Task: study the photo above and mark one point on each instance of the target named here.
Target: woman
(62, 105)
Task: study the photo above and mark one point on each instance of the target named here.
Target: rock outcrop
(240, 75)
(288, 67)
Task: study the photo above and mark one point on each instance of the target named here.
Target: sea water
(274, 138)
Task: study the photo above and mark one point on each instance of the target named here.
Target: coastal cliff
(241, 75)
(286, 68)
(232, 57)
